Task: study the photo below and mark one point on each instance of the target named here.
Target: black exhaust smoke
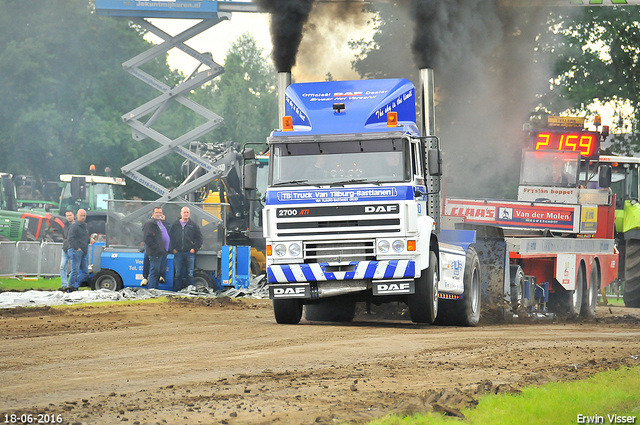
(287, 21)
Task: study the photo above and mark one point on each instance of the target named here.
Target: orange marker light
(269, 250)
(411, 245)
(392, 119)
(287, 123)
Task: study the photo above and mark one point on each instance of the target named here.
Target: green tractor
(625, 183)
(12, 226)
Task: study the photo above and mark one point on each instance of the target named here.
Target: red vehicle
(558, 236)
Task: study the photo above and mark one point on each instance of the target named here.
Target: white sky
(219, 38)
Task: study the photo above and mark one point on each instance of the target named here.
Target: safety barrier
(41, 259)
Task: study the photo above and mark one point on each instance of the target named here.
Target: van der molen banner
(534, 3)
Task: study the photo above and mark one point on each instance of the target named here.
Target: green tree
(598, 58)
(64, 90)
(245, 96)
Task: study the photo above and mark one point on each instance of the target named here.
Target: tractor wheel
(465, 312)
(423, 304)
(107, 279)
(287, 312)
(330, 310)
(590, 295)
(632, 273)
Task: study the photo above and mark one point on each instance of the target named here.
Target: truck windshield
(550, 168)
(325, 163)
(100, 191)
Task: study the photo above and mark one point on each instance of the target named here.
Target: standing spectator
(186, 240)
(65, 248)
(145, 261)
(156, 241)
(79, 241)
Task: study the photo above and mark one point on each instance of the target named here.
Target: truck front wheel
(464, 312)
(287, 312)
(423, 304)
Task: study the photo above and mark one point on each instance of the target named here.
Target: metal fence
(41, 259)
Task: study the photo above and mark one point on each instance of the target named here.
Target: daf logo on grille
(381, 209)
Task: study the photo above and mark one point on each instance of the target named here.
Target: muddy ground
(227, 361)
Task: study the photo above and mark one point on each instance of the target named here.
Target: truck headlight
(294, 249)
(280, 250)
(398, 246)
(383, 246)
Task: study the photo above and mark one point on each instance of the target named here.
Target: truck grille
(338, 227)
(329, 251)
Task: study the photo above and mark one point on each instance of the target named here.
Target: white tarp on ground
(257, 289)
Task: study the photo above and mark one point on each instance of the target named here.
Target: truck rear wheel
(330, 310)
(632, 273)
(287, 312)
(590, 295)
(423, 304)
(574, 298)
(465, 312)
(107, 279)
(517, 288)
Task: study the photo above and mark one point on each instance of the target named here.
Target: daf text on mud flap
(393, 288)
(289, 291)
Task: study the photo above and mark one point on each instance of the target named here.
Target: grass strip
(597, 399)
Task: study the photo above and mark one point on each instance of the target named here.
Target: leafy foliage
(245, 96)
(598, 58)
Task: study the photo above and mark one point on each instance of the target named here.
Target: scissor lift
(210, 12)
(141, 119)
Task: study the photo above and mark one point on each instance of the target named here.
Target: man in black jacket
(186, 240)
(79, 240)
(156, 240)
(64, 261)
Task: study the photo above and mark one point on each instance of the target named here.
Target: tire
(107, 279)
(287, 312)
(632, 273)
(464, 312)
(590, 295)
(573, 302)
(202, 278)
(423, 304)
(331, 310)
(517, 288)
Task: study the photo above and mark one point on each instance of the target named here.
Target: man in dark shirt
(156, 240)
(186, 240)
(64, 261)
(79, 240)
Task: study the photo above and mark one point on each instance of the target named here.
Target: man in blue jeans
(186, 240)
(64, 261)
(156, 240)
(79, 240)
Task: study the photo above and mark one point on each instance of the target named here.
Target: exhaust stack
(284, 81)
(432, 145)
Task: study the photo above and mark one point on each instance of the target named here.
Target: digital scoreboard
(585, 142)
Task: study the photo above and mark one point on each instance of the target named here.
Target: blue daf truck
(352, 207)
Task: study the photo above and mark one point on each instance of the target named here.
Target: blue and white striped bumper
(392, 269)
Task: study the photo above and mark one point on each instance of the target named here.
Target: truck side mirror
(78, 187)
(434, 162)
(248, 154)
(250, 172)
(604, 176)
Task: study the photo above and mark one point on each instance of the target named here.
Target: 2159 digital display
(585, 142)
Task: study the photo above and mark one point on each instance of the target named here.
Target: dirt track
(229, 362)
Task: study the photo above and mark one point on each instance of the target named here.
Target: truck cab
(346, 217)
